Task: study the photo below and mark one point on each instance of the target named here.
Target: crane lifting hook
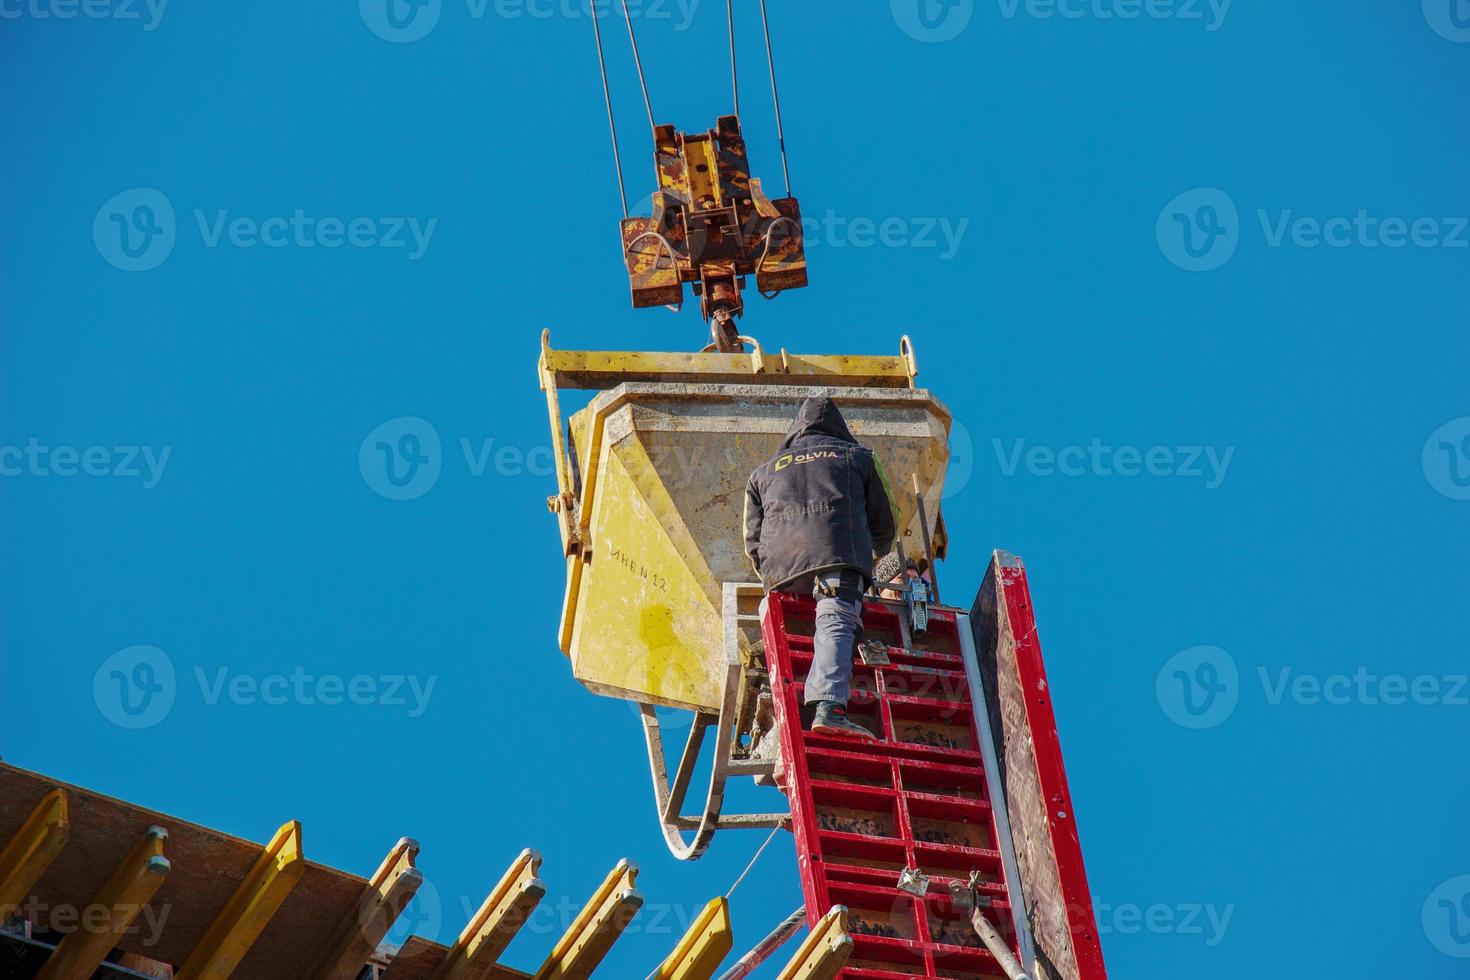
(711, 226)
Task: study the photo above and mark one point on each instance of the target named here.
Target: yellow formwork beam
(703, 948)
(130, 888)
(249, 909)
(825, 951)
(473, 955)
(596, 927)
(32, 849)
(366, 923)
(599, 369)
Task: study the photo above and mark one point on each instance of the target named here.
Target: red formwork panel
(1011, 661)
(862, 811)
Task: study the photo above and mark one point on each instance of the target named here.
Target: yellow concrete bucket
(652, 488)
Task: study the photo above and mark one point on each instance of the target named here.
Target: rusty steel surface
(711, 225)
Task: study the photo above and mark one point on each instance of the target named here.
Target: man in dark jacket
(815, 517)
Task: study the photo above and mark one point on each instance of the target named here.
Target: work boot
(832, 719)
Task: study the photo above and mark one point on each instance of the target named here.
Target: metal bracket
(916, 601)
(873, 653)
(670, 794)
(969, 898)
(913, 881)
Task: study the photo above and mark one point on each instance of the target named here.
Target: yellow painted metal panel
(601, 921)
(824, 952)
(249, 909)
(664, 469)
(644, 621)
(606, 369)
(493, 927)
(703, 948)
(32, 850)
(366, 923)
(131, 887)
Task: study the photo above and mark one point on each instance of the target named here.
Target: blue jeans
(839, 595)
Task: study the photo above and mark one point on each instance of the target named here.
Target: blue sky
(1191, 278)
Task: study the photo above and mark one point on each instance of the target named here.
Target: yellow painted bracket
(32, 850)
(600, 369)
(825, 951)
(562, 504)
(250, 909)
(473, 955)
(361, 930)
(130, 888)
(703, 948)
(599, 924)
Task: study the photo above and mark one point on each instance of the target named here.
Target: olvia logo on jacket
(787, 459)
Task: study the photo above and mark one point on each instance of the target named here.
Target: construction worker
(887, 570)
(816, 515)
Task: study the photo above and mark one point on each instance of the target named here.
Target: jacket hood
(818, 417)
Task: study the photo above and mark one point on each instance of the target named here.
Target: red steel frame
(1014, 592)
(862, 811)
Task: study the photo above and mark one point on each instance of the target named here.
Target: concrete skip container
(653, 476)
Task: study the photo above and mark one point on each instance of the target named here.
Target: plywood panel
(207, 867)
